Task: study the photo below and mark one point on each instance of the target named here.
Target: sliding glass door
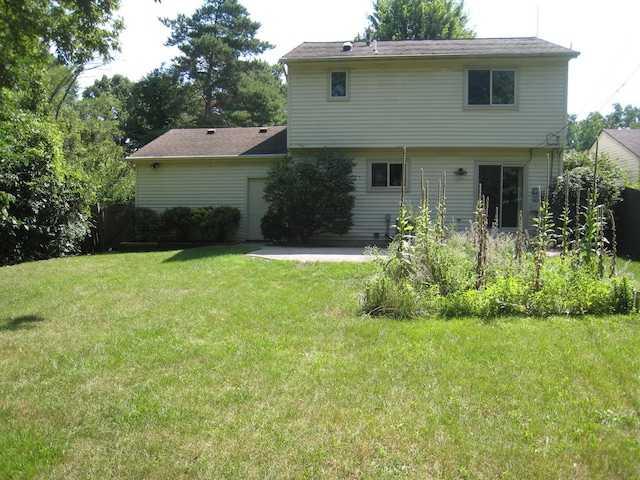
(504, 186)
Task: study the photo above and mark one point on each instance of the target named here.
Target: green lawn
(209, 364)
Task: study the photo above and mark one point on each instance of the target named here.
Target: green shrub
(227, 221)
(622, 295)
(42, 210)
(176, 223)
(505, 296)
(202, 218)
(309, 197)
(146, 224)
(465, 303)
(274, 227)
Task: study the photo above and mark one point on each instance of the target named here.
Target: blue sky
(605, 33)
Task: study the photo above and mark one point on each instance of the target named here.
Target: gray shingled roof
(216, 142)
(629, 139)
(429, 48)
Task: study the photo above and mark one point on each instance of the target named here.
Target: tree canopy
(582, 133)
(74, 30)
(44, 195)
(218, 43)
(419, 20)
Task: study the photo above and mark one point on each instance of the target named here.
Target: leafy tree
(627, 117)
(258, 97)
(419, 20)
(582, 133)
(215, 43)
(578, 179)
(44, 44)
(118, 86)
(41, 214)
(75, 30)
(158, 102)
(309, 197)
(94, 145)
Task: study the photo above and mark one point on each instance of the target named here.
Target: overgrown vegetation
(42, 214)
(434, 270)
(309, 197)
(572, 188)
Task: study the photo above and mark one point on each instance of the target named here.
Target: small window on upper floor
(385, 174)
(491, 87)
(339, 85)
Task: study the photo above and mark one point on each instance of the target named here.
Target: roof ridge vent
(263, 130)
(211, 131)
(347, 46)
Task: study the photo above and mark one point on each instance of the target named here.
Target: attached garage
(210, 167)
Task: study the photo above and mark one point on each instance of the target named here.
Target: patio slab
(312, 254)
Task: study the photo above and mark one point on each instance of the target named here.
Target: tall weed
(431, 269)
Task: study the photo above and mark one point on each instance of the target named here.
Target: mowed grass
(210, 364)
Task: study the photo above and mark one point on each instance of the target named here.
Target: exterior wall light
(155, 166)
(461, 172)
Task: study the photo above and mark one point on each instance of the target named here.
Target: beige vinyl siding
(421, 103)
(371, 207)
(198, 183)
(619, 155)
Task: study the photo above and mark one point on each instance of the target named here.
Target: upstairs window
(491, 87)
(338, 88)
(385, 174)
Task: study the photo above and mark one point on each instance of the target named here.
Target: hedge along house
(480, 111)
(210, 167)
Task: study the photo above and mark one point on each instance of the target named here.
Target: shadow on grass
(200, 253)
(20, 323)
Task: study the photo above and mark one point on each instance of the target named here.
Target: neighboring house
(481, 111)
(623, 149)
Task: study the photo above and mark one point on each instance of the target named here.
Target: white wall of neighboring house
(619, 155)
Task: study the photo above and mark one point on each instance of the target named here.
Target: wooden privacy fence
(627, 215)
(112, 226)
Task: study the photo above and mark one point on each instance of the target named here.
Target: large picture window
(491, 87)
(385, 174)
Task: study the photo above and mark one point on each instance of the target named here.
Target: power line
(620, 87)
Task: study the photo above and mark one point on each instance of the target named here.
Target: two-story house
(488, 112)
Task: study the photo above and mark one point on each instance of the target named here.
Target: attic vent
(347, 46)
(263, 130)
(211, 131)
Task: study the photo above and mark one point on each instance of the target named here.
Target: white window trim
(389, 188)
(348, 95)
(492, 106)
